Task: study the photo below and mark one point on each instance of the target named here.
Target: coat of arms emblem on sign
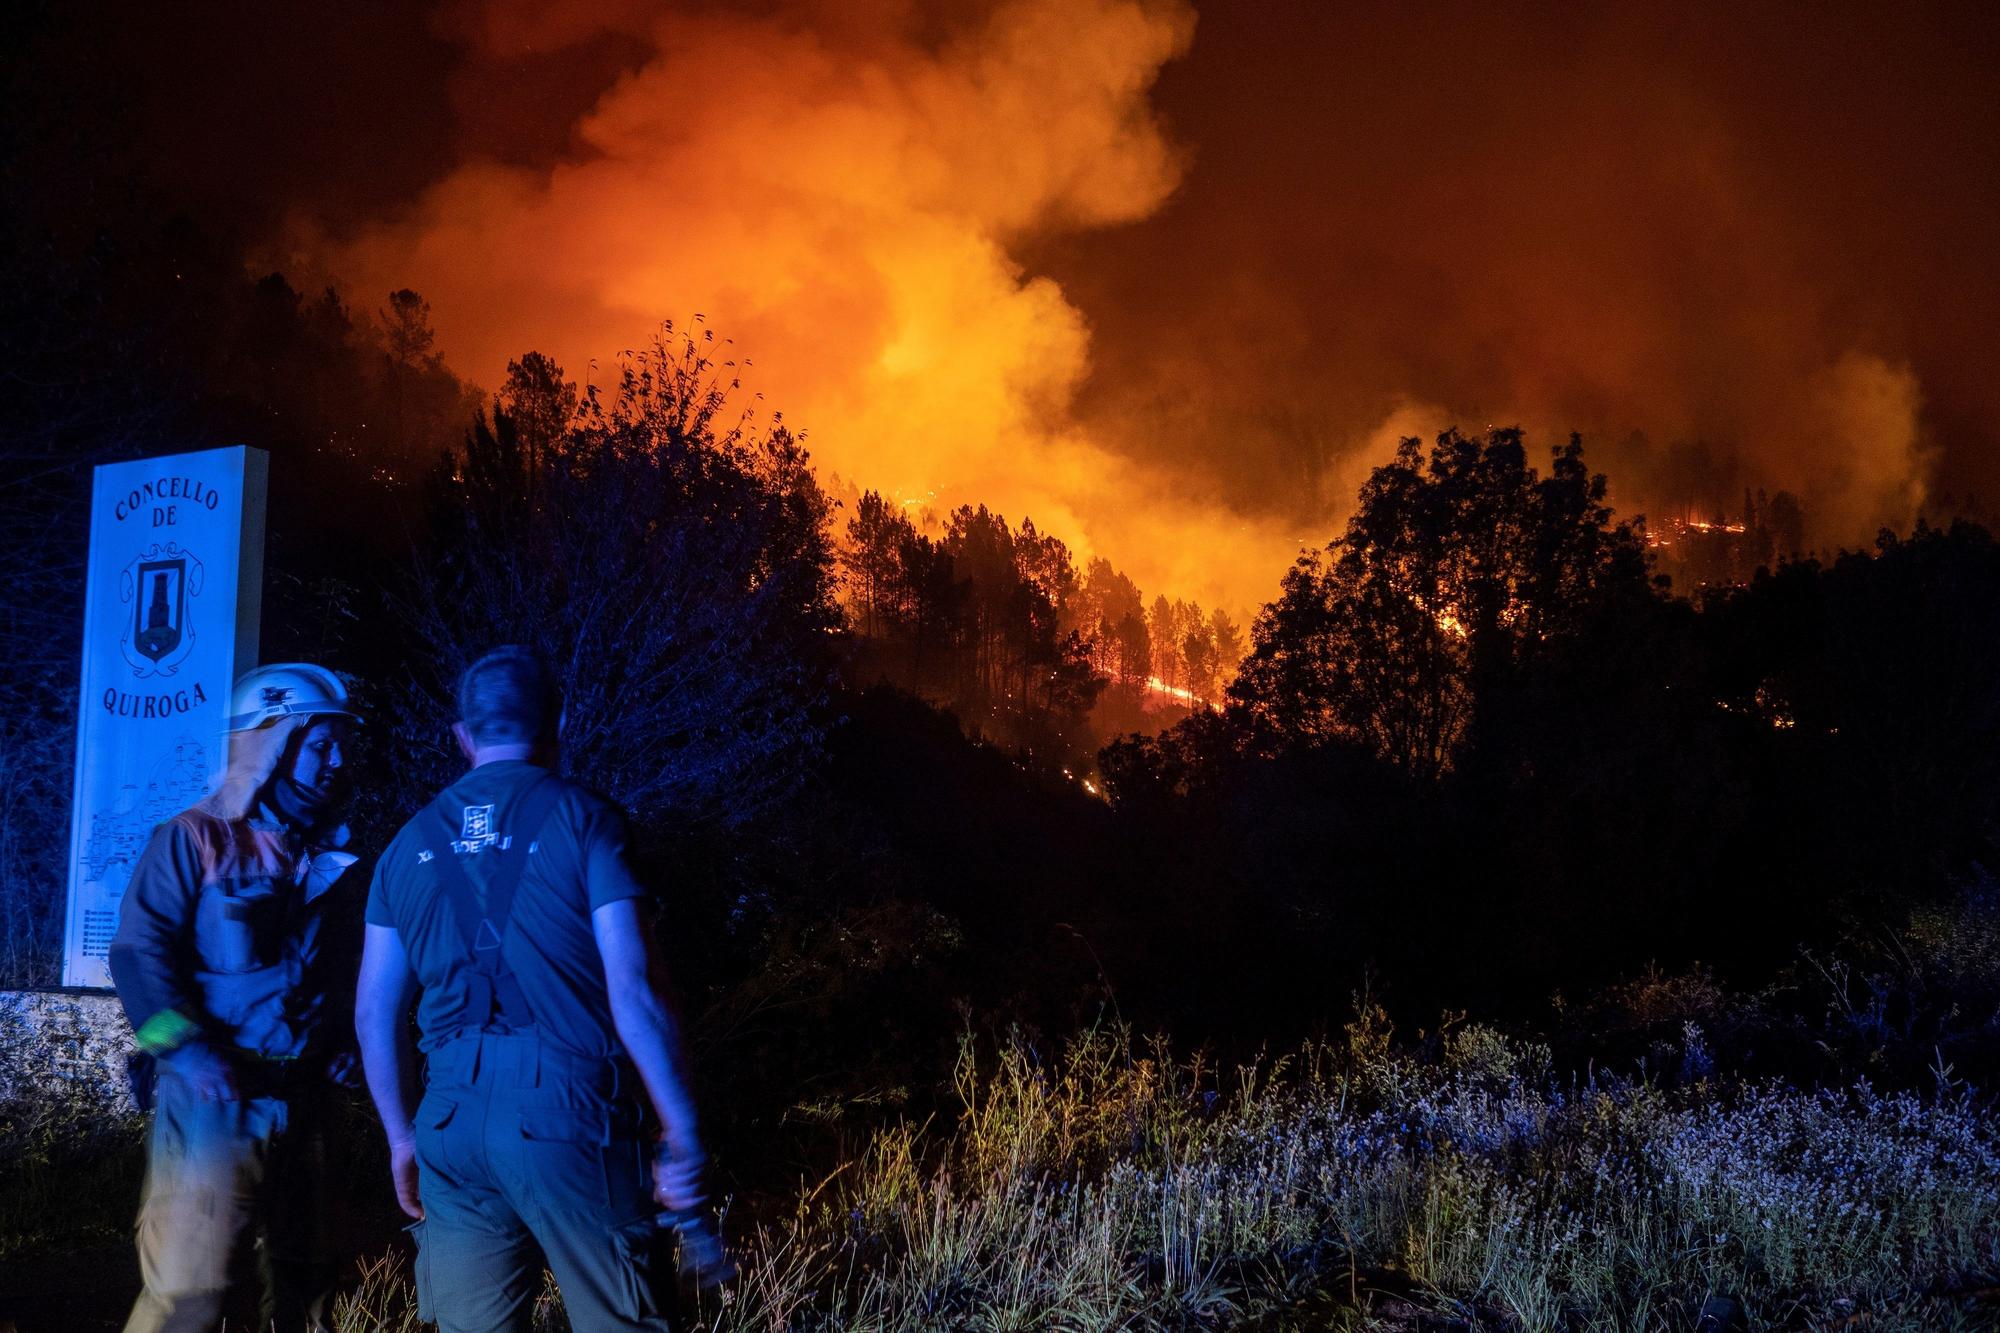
(157, 589)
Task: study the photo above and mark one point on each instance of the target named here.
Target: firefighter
(234, 958)
(510, 905)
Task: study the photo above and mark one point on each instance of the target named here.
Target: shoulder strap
(493, 990)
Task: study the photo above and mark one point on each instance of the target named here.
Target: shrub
(671, 565)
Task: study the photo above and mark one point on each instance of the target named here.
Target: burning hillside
(1173, 300)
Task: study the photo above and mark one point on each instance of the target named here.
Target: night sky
(1167, 279)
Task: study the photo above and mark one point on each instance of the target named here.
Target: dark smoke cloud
(1742, 246)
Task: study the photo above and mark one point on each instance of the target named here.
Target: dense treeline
(1478, 747)
(999, 624)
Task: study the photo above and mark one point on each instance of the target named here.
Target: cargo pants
(220, 1176)
(526, 1153)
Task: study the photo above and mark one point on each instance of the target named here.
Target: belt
(522, 1059)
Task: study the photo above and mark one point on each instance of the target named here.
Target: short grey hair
(509, 696)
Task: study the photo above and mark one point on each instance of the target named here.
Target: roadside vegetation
(71, 1152)
(1642, 1159)
(1349, 1185)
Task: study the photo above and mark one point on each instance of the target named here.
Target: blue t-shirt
(576, 864)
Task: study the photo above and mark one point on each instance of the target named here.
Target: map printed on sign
(173, 589)
(118, 834)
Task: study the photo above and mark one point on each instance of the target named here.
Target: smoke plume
(839, 192)
(1171, 293)
(1735, 251)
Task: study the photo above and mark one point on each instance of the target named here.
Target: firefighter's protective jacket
(235, 930)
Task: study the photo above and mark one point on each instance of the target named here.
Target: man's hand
(677, 1178)
(403, 1172)
(344, 1070)
(647, 1031)
(381, 1023)
(205, 1071)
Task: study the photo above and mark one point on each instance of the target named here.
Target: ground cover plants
(70, 1146)
(1111, 1185)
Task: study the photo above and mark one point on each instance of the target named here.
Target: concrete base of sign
(78, 1038)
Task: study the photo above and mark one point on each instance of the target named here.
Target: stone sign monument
(173, 591)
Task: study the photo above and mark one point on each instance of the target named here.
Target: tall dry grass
(1116, 1187)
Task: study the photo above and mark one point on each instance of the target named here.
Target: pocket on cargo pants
(563, 1158)
(644, 1253)
(426, 1300)
(434, 1158)
(434, 1114)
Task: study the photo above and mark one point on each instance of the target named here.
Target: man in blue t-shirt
(510, 902)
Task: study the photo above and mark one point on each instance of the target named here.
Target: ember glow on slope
(1170, 285)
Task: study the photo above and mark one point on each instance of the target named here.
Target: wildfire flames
(1681, 527)
(1179, 694)
(872, 202)
(841, 198)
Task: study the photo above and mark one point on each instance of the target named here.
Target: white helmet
(286, 689)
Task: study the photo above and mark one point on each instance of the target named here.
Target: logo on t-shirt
(478, 832)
